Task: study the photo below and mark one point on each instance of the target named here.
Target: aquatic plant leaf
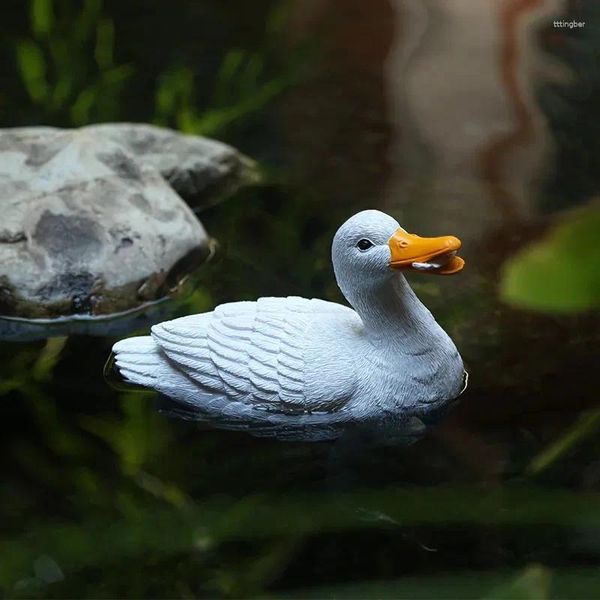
(561, 273)
(105, 38)
(81, 108)
(174, 92)
(41, 14)
(216, 119)
(230, 66)
(48, 358)
(71, 72)
(32, 67)
(250, 75)
(85, 22)
(242, 87)
(585, 426)
(532, 584)
(137, 438)
(64, 68)
(255, 573)
(116, 76)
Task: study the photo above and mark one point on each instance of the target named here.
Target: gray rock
(90, 226)
(202, 171)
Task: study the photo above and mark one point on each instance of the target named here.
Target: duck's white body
(295, 368)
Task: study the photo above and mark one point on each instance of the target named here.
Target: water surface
(472, 119)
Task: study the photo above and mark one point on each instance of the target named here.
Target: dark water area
(473, 119)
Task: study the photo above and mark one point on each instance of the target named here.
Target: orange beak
(429, 255)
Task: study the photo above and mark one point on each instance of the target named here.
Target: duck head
(371, 246)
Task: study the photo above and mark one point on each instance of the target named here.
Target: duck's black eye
(364, 244)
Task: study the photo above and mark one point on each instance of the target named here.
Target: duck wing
(261, 354)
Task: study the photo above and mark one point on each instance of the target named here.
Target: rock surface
(90, 225)
(199, 169)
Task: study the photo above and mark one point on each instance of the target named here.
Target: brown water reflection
(428, 108)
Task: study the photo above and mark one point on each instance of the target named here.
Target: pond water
(473, 119)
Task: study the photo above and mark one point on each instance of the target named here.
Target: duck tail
(135, 362)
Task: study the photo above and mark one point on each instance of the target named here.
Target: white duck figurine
(294, 368)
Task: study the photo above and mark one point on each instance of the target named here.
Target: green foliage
(41, 16)
(32, 65)
(278, 525)
(68, 69)
(239, 93)
(586, 426)
(532, 584)
(243, 86)
(67, 65)
(128, 436)
(561, 273)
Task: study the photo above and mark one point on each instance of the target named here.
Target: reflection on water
(17, 329)
(21, 329)
(487, 148)
(457, 117)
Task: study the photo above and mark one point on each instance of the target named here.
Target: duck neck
(394, 317)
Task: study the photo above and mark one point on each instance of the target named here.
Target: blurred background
(472, 118)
